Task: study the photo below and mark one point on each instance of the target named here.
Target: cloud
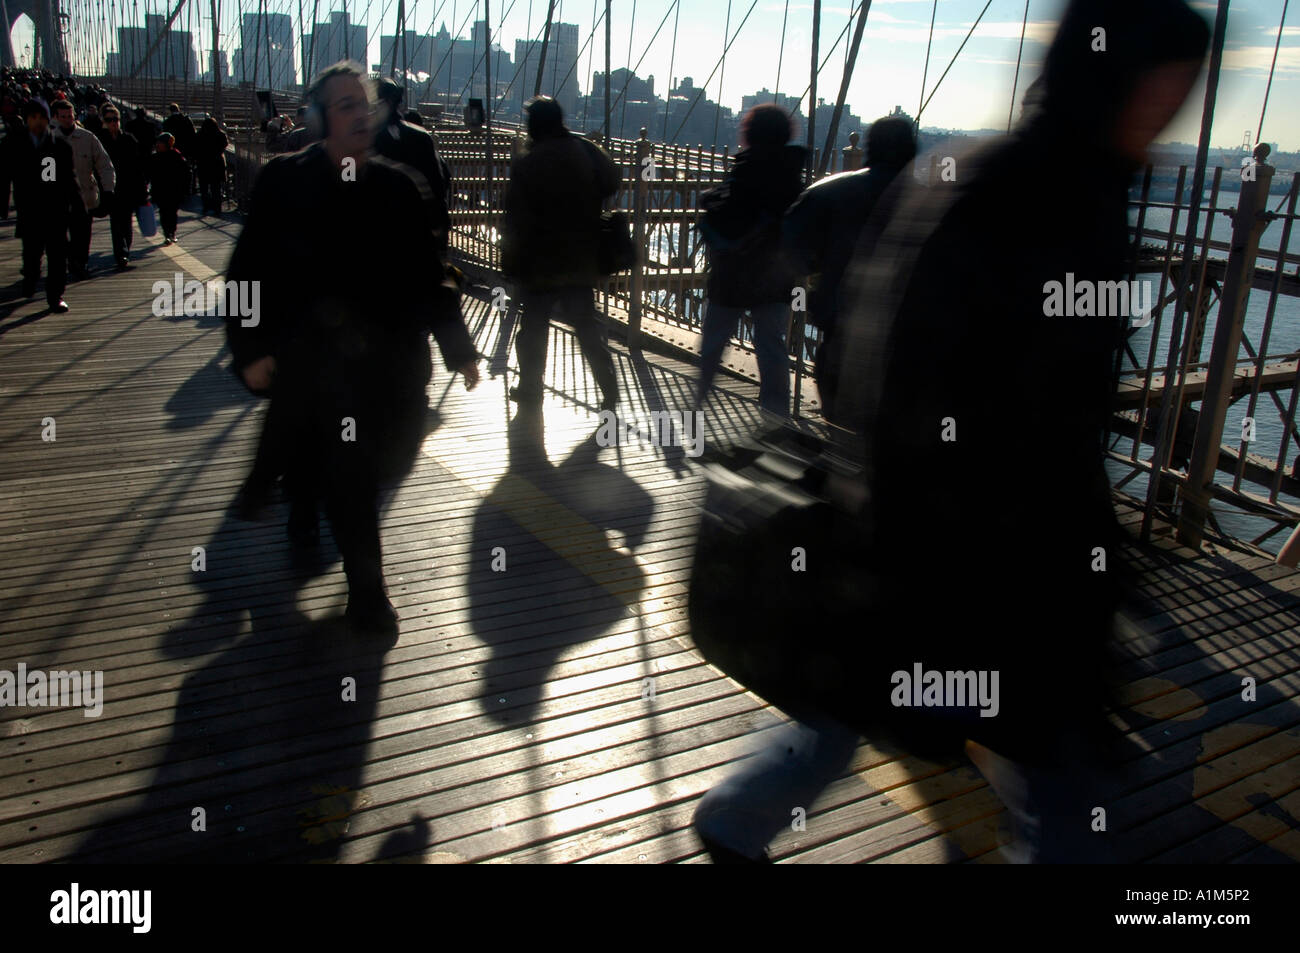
(1041, 31)
(1259, 57)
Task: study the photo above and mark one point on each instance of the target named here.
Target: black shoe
(525, 395)
(59, 307)
(371, 613)
(123, 264)
(304, 527)
(720, 854)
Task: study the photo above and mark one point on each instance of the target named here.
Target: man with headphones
(342, 353)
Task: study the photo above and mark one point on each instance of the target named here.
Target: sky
(976, 93)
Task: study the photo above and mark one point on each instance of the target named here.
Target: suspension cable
(1016, 81)
(672, 59)
(780, 53)
(1269, 87)
(952, 61)
(700, 94)
(925, 74)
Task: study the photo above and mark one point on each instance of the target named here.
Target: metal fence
(1206, 349)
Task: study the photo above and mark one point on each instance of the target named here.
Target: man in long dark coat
(342, 351)
(40, 165)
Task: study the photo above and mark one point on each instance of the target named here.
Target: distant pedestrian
(403, 142)
(169, 183)
(210, 156)
(44, 181)
(821, 231)
(145, 131)
(96, 181)
(550, 245)
(132, 190)
(748, 271)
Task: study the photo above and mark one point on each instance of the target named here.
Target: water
(1284, 339)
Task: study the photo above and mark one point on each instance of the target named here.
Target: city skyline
(975, 94)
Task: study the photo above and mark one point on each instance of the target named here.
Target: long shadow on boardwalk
(538, 540)
(266, 739)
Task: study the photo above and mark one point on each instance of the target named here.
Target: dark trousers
(345, 478)
(577, 309)
(120, 225)
(210, 184)
(78, 239)
(54, 247)
(168, 215)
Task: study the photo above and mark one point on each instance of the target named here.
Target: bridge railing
(1208, 378)
(1167, 408)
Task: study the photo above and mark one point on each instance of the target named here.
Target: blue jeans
(770, 323)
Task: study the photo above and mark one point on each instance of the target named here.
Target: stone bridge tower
(50, 23)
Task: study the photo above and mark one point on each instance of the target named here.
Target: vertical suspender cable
(780, 54)
(1269, 87)
(925, 73)
(722, 75)
(1016, 82)
(672, 60)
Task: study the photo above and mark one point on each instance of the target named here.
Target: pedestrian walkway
(543, 701)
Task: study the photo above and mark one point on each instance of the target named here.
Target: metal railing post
(1248, 226)
(637, 285)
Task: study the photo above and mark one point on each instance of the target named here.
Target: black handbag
(616, 250)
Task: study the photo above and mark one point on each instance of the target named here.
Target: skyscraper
(267, 51)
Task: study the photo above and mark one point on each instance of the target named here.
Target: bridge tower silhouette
(51, 23)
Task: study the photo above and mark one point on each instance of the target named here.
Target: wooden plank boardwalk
(512, 721)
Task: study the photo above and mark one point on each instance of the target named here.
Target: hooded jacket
(961, 364)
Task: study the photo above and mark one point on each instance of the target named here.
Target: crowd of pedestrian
(916, 307)
(115, 167)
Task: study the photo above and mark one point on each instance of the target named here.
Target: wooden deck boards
(510, 721)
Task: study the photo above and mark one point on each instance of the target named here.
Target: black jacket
(821, 230)
(210, 150)
(553, 202)
(44, 194)
(182, 127)
(169, 177)
(322, 250)
(145, 131)
(405, 142)
(132, 190)
(742, 227)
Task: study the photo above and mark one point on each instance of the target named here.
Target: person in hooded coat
(951, 352)
(748, 269)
